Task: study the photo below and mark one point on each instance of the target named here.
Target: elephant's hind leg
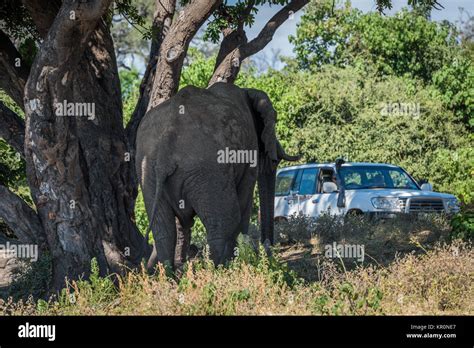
(245, 195)
(164, 234)
(183, 242)
(219, 211)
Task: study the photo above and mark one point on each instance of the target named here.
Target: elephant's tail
(153, 212)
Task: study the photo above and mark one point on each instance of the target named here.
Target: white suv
(360, 188)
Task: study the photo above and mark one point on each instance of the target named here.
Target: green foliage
(32, 279)
(198, 71)
(455, 84)
(229, 16)
(455, 169)
(463, 224)
(135, 16)
(12, 165)
(98, 290)
(141, 217)
(337, 112)
(130, 88)
(405, 44)
(198, 233)
(16, 20)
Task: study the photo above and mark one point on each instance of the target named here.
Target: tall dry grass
(439, 282)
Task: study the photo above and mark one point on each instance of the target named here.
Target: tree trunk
(175, 46)
(162, 20)
(77, 165)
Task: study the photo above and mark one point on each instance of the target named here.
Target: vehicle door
(285, 193)
(326, 203)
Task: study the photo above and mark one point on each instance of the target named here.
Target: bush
(32, 279)
(463, 224)
(382, 240)
(297, 229)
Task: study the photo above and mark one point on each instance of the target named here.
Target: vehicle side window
(284, 182)
(325, 175)
(308, 181)
(296, 183)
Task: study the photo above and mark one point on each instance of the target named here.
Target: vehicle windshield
(375, 177)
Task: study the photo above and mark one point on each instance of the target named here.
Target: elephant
(201, 153)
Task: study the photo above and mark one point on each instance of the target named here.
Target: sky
(280, 40)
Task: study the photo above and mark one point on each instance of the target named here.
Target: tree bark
(77, 166)
(162, 20)
(13, 69)
(21, 219)
(233, 38)
(12, 128)
(175, 46)
(229, 67)
(43, 13)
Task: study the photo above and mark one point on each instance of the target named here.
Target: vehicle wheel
(280, 219)
(352, 213)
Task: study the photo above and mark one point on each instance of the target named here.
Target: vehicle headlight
(452, 205)
(386, 203)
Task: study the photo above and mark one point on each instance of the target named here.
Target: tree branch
(229, 67)
(174, 48)
(12, 128)
(233, 38)
(43, 13)
(13, 70)
(266, 34)
(21, 219)
(162, 20)
(64, 45)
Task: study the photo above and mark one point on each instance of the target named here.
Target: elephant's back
(196, 124)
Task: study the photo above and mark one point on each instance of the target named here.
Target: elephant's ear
(266, 118)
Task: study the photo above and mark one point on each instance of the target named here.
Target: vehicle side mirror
(329, 187)
(427, 187)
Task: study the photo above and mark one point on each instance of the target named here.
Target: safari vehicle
(340, 188)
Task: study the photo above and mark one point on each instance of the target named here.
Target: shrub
(32, 279)
(297, 229)
(381, 239)
(463, 224)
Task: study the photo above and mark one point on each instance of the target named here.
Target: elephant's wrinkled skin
(177, 164)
